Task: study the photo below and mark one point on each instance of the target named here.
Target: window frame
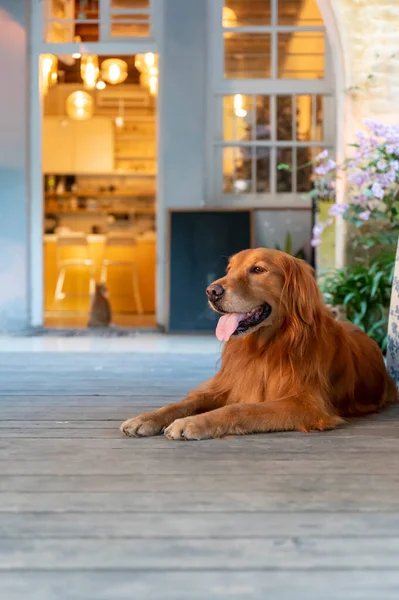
(104, 22)
(220, 86)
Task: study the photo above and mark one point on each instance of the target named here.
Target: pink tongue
(227, 326)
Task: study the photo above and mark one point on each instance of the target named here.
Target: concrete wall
(182, 116)
(14, 102)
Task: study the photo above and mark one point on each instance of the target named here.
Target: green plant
(288, 248)
(365, 292)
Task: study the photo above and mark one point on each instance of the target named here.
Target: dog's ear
(300, 292)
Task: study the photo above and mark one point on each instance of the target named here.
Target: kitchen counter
(119, 278)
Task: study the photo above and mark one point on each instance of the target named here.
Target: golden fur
(298, 370)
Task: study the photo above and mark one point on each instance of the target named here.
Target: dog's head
(263, 289)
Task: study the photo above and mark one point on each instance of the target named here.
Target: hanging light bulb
(101, 85)
(114, 70)
(147, 64)
(49, 71)
(79, 106)
(89, 70)
(229, 19)
(239, 111)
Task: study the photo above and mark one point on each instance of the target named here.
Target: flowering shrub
(373, 184)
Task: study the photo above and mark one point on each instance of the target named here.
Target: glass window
(79, 21)
(241, 13)
(301, 55)
(297, 13)
(247, 55)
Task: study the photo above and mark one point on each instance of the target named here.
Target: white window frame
(272, 87)
(106, 12)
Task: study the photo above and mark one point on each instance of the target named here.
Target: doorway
(99, 173)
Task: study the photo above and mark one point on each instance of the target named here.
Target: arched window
(272, 100)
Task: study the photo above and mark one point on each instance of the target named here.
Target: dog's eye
(257, 270)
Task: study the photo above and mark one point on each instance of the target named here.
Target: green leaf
(283, 167)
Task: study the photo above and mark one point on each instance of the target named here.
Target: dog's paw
(142, 426)
(190, 428)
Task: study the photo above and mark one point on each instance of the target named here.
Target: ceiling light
(101, 85)
(49, 71)
(79, 106)
(89, 70)
(114, 70)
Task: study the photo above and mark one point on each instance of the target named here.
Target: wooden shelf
(54, 196)
(99, 211)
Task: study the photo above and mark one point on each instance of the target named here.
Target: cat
(100, 311)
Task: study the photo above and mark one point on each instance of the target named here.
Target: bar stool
(69, 243)
(115, 240)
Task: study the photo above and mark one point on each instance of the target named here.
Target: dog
(287, 364)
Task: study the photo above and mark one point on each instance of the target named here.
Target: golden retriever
(287, 364)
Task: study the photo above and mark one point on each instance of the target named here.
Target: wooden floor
(88, 515)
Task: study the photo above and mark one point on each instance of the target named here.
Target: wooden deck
(88, 515)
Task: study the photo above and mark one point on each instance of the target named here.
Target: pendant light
(49, 71)
(89, 70)
(147, 64)
(79, 106)
(114, 70)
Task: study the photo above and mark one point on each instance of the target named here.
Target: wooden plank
(197, 525)
(338, 500)
(261, 554)
(268, 483)
(284, 446)
(194, 585)
(138, 465)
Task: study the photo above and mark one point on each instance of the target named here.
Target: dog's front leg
(153, 423)
(294, 414)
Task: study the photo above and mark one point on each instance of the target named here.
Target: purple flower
(365, 215)
(359, 178)
(382, 165)
(390, 148)
(377, 190)
(394, 164)
(337, 210)
(326, 167)
(315, 242)
(322, 155)
(318, 229)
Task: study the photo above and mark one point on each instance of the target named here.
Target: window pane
(237, 117)
(284, 178)
(299, 13)
(301, 55)
(284, 118)
(262, 131)
(130, 4)
(237, 170)
(247, 55)
(309, 118)
(262, 156)
(287, 230)
(85, 29)
(304, 173)
(241, 13)
(125, 26)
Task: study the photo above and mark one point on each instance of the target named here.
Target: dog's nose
(214, 292)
